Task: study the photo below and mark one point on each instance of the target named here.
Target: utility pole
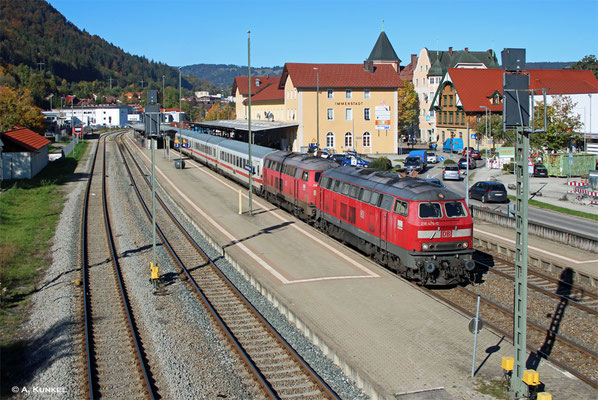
(318, 109)
(250, 138)
(161, 117)
(39, 65)
(110, 79)
(180, 121)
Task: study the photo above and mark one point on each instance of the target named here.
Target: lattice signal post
(516, 116)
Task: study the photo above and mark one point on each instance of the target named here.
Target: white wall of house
(23, 165)
(585, 105)
(108, 116)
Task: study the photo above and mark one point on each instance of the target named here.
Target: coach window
(354, 191)
(455, 209)
(367, 195)
(305, 176)
(329, 184)
(337, 185)
(401, 207)
(374, 199)
(345, 189)
(430, 210)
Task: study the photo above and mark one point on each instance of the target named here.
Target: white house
(96, 115)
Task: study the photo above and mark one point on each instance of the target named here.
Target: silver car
(451, 171)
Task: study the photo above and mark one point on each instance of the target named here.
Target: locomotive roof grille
(406, 188)
(302, 160)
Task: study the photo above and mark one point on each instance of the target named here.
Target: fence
(66, 150)
(574, 239)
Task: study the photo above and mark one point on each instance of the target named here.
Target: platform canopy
(243, 125)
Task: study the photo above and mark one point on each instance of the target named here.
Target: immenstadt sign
(382, 117)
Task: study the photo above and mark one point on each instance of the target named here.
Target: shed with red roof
(24, 153)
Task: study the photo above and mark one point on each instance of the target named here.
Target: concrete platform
(390, 337)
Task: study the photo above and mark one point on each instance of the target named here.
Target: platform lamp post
(154, 265)
(486, 109)
(317, 109)
(180, 122)
(161, 117)
(249, 138)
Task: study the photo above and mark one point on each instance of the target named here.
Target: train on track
(418, 229)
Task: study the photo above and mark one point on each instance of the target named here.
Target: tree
(408, 107)
(18, 109)
(562, 125)
(495, 129)
(588, 62)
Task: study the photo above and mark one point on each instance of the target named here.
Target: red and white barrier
(576, 184)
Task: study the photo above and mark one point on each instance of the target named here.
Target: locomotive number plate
(446, 234)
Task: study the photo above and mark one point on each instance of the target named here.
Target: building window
(349, 140)
(348, 114)
(462, 117)
(348, 93)
(366, 94)
(366, 114)
(330, 114)
(450, 117)
(451, 100)
(444, 117)
(416, 82)
(367, 139)
(330, 94)
(431, 113)
(330, 140)
(423, 81)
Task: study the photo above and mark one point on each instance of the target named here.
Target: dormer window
(257, 82)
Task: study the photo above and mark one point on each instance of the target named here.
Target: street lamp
(486, 124)
(317, 109)
(163, 105)
(180, 118)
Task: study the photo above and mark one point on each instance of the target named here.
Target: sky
(185, 32)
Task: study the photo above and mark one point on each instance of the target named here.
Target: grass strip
(560, 209)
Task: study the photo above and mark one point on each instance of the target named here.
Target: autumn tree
(17, 108)
(219, 111)
(408, 107)
(562, 125)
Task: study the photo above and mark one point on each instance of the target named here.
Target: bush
(510, 168)
(381, 164)
(448, 161)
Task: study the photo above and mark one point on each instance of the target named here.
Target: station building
(341, 106)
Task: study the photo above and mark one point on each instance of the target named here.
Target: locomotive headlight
(465, 245)
(425, 247)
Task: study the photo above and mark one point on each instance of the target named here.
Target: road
(563, 221)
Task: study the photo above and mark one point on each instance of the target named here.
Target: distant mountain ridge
(223, 75)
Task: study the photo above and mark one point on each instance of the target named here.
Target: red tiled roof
(563, 81)
(271, 92)
(341, 76)
(25, 138)
(241, 84)
(475, 86)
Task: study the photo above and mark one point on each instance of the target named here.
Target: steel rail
(92, 370)
(323, 386)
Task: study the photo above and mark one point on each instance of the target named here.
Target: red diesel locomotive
(418, 229)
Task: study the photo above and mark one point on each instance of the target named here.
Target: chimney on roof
(413, 60)
(451, 51)
(368, 65)
(257, 82)
(467, 49)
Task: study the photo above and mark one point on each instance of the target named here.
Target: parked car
(355, 161)
(540, 170)
(473, 153)
(432, 158)
(463, 163)
(413, 163)
(434, 181)
(452, 145)
(451, 171)
(489, 191)
(339, 158)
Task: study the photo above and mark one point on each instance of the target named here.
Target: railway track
(278, 369)
(561, 319)
(116, 363)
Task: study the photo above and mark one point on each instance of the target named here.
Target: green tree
(408, 107)
(495, 129)
(18, 109)
(562, 125)
(588, 62)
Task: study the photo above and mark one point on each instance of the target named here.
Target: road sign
(472, 325)
(441, 159)
(473, 136)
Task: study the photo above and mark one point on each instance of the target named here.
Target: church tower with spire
(382, 53)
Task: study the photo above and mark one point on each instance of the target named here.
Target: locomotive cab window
(430, 210)
(305, 176)
(346, 188)
(375, 198)
(455, 209)
(365, 196)
(337, 185)
(354, 191)
(401, 207)
(317, 176)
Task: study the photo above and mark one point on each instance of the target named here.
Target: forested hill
(32, 32)
(223, 75)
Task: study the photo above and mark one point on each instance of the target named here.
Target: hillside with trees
(223, 75)
(43, 52)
